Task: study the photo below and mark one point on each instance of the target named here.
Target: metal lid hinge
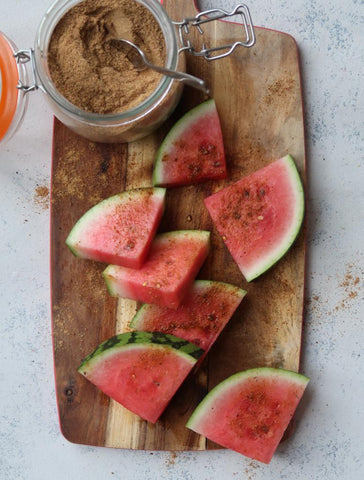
(23, 57)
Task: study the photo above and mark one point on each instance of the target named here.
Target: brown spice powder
(351, 286)
(279, 89)
(41, 196)
(92, 72)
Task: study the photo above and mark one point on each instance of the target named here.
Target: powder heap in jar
(94, 73)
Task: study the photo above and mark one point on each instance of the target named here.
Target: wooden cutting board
(258, 97)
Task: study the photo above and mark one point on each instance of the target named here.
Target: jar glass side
(124, 126)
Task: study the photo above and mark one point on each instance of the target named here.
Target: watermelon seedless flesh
(259, 216)
(250, 411)
(200, 318)
(141, 370)
(170, 268)
(120, 229)
(193, 150)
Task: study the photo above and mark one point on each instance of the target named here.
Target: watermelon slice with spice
(172, 265)
(119, 229)
(250, 411)
(193, 150)
(259, 216)
(200, 318)
(140, 370)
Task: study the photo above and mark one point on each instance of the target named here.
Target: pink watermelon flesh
(259, 216)
(250, 411)
(200, 318)
(141, 371)
(174, 260)
(120, 229)
(193, 150)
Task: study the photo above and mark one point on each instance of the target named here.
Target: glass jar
(125, 126)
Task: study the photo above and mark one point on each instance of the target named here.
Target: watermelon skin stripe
(141, 370)
(138, 338)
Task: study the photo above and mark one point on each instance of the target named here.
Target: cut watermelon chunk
(141, 370)
(193, 150)
(174, 260)
(260, 216)
(120, 229)
(200, 318)
(250, 411)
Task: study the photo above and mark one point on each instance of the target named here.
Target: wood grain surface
(258, 97)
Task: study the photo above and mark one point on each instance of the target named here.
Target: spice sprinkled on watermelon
(200, 318)
(259, 217)
(193, 150)
(172, 264)
(141, 370)
(120, 229)
(250, 411)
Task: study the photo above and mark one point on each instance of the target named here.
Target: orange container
(13, 101)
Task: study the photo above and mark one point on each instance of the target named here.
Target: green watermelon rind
(176, 131)
(134, 323)
(222, 388)
(103, 206)
(127, 340)
(295, 227)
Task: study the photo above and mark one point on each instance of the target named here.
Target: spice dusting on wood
(278, 89)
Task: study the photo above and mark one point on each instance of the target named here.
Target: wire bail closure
(22, 57)
(184, 26)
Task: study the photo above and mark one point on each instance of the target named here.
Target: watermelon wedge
(172, 264)
(141, 370)
(250, 411)
(193, 150)
(259, 216)
(200, 318)
(120, 229)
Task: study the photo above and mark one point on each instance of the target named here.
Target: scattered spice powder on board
(278, 89)
(95, 74)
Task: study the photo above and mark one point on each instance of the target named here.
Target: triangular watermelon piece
(120, 229)
(141, 370)
(193, 150)
(250, 411)
(172, 264)
(200, 318)
(259, 216)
